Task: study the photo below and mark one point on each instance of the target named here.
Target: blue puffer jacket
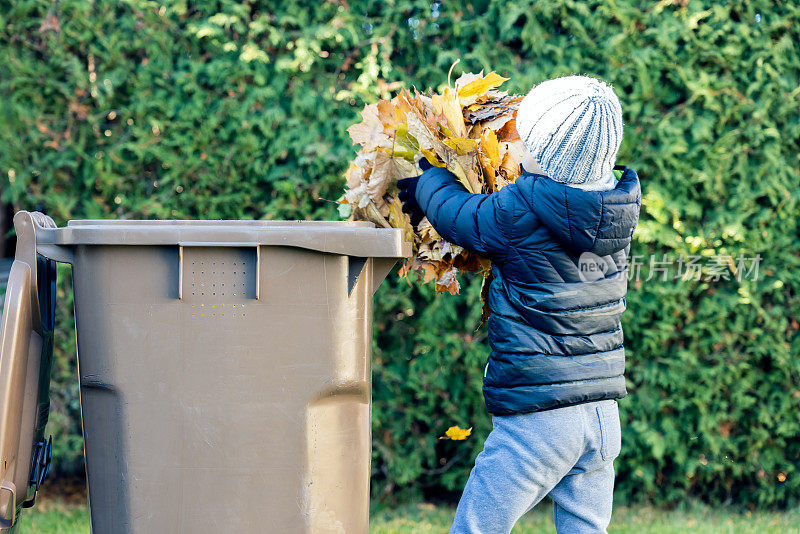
(555, 333)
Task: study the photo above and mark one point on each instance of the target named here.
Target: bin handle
(7, 488)
(184, 244)
(27, 323)
(26, 225)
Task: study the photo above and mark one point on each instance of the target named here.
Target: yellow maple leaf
(480, 86)
(491, 147)
(489, 173)
(462, 145)
(398, 219)
(432, 158)
(466, 78)
(447, 104)
(457, 433)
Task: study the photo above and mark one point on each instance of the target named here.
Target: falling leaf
(458, 434)
(725, 428)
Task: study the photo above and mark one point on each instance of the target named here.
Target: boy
(557, 360)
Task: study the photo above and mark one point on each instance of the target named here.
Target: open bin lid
(25, 351)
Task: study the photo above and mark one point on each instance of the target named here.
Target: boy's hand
(408, 190)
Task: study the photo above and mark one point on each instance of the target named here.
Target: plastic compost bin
(224, 371)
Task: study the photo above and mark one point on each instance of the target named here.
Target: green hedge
(235, 110)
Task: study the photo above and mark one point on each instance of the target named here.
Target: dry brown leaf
(508, 132)
(499, 121)
(369, 132)
(470, 129)
(354, 175)
(420, 131)
(385, 171)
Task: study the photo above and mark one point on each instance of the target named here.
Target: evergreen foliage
(239, 110)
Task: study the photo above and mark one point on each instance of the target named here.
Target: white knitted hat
(572, 126)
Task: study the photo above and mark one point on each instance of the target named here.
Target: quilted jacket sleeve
(480, 223)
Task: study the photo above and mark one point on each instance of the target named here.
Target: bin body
(225, 374)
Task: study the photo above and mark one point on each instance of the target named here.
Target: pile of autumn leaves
(469, 128)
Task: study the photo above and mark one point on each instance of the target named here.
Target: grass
(57, 517)
(639, 520)
(54, 517)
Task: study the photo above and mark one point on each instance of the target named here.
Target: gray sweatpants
(567, 453)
